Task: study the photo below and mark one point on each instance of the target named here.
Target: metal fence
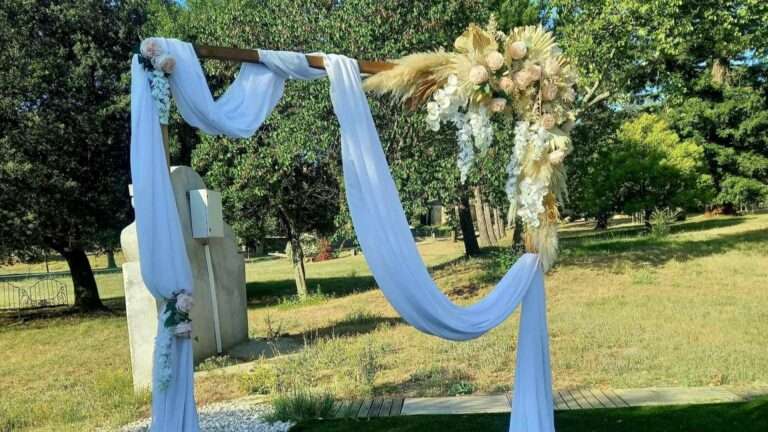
(35, 292)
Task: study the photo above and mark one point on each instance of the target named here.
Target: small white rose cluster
(473, 125)
(159, 65)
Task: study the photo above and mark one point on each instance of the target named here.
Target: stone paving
(565, 399)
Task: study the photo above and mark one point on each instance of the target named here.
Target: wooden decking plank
(615, 398)
(375, 407)
(576, 399)
(338, 408)
(364, 408)
(564, 397)
(602, 398)
(592, 401)
(386, 407)
(353, 408)
(397, 407)
(558, 401)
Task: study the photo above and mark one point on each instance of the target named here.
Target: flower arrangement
(177, 310)
(176, 323)
(159, 65)
(522, 75)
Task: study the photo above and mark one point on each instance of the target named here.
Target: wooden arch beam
(252, 56)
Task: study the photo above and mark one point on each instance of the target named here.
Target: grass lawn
(624, 311)
(742, 417)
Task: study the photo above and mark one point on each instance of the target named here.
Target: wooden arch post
(252, 56)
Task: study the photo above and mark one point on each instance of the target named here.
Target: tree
(731, 120)
(650, 167)
(64, 116)
(423, 163)
(697, 62)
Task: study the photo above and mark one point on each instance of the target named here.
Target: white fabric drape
(375, 208)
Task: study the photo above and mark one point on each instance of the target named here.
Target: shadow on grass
(649, 250)
(286, 344)
(639, 230)
(269, 293)
(115, 306)
(743, 417)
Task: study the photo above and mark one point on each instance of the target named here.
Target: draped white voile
(376, 211)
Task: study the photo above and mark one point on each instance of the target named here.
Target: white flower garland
(473, 128)
(526, 197)
(159, 66)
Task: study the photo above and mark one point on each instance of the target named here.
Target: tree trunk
(111, 259)
(482, 227)
(517, 236)
(489, 224)
(299, 273)
(471, 248)
(602, 221)
(297, 255)
(647, 219)
(498, 223)
(86, 292)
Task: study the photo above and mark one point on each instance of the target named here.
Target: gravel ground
(232, 416)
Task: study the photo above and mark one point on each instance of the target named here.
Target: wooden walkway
(564, 399)
(374, 407)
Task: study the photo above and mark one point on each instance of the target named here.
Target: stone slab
(456, 405)
(676, 396)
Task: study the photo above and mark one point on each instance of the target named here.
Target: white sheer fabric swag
(376, 211)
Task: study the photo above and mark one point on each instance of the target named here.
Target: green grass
(625, 310)
(742, 417)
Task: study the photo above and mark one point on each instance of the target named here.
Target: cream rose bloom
(164, 63)
(185, 302)
(507, 84)
(549, 92)
(498, 104)
(494, 60)
(478, 74)
(517, 50)
(150, 47)
(534, 71)
(522, 79)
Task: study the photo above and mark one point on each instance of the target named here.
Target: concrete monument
(228, 277)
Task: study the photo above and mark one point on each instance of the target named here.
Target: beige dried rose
(549, 92)
(478, 74)
(517, 50)
(507, 85)
(494, 60)
(498, 104)
(523, 79)
(548, 121)
(534, 71)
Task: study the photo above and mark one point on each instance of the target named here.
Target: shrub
(215, 362)
(369, 364)
(661, 221)
(262, 380)
(324, 251)
(300, 405)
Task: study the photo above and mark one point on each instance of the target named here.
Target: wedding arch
(463, 88)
